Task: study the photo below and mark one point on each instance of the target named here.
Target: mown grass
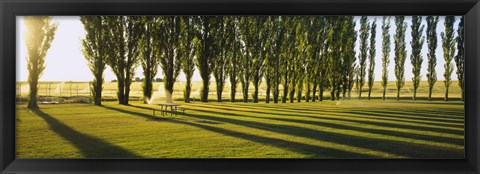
(328, 129)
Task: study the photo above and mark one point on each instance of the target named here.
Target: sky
(65, 61)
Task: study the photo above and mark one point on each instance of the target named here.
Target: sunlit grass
(328, 129)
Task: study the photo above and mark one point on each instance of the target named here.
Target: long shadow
(391, 114)
(89, 146)
(300, 109)
(364, 130)
(374, 115)
(146, 116)
(390, 146)
(457, 132)
(439, 113)
(306, 149)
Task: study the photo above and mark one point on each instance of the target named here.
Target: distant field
(329, 129)
(68, 89)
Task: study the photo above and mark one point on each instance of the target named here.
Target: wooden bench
(182, 109)
(162, 112)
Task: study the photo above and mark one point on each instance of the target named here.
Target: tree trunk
(430, 88)
(147, 90)
(384, 91)
(276, 92)
(255, 93)
(128, 82)
(292, 94)
(245, 91)
(314, 92)
(398, 94)
(219, 91)
(307, 93)
(299, 94)
(446, 93)
(32, 103)
(188, 90)
(121, 90)
(267, 93)
(97, 87)
(414, 94)
(320, 98)
(233, 89)
(285, 93)
(204, 94)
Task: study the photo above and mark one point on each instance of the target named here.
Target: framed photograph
(239, 87)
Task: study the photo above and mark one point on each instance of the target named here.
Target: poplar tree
(168, 40)
(233, 54)
(187, 53)
(204, 39)
(448, 45)
(400, 52)
(124, 50)
(259, 52)
(249, 37)
(149, 60)
(432, 22)
(372, 51)
(133, 35)
(38, 39)
(416, 57)
(220, 59)
(277, 57)
(386, 52)
(348, 56)
(94, 51)
(364, 28)
(460, 57)
(334, 56)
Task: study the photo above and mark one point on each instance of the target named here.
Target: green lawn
(328, 129)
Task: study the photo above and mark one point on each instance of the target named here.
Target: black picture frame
(9, 9)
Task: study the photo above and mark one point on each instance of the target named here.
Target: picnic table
(164, 107)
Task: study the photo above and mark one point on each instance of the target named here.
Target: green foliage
(38, 39)
(233, 54)
(416, 56)
(148, 52)
(93, 49)
(187, 52)
(400, 52)
(205, 53)
(371, 56)
(364, 29)
(125, 33)
(385, 52)
(432, 22)
(460, 57)
(448, 45)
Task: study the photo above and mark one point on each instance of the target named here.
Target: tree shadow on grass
(383, 124)
(378, 115)
(433, 138)
(89, 146)
(431, 114)
(390, 146)
(306, 149)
